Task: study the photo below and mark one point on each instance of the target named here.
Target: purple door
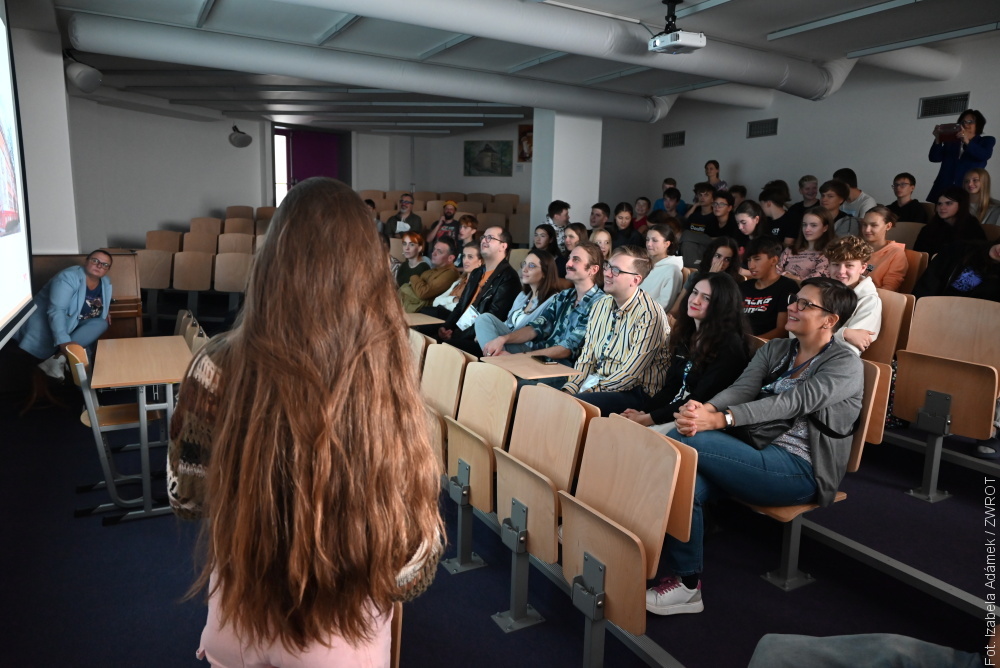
(315, 154)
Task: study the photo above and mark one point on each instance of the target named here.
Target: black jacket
(496, 297)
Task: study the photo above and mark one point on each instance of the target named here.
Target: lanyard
(791, 372)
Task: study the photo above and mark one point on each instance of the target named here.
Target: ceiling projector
(675, 41)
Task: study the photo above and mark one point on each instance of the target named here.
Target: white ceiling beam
(840, 18)
(338, 27)
(929, 39)
(677, 90)
(536, 61)
(206, 9)
(444, 46)
(700, 7)
(616, 75)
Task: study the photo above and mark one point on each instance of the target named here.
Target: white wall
(41, 92)
(370, 167)
(136, 171)
(870, 125)
(626, 154)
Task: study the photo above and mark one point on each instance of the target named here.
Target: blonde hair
(322, 482)
(981, 200)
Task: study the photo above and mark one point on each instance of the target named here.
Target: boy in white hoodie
(848, 258)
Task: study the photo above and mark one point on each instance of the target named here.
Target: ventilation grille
(943, 105)
(672, 139)
(766, 128)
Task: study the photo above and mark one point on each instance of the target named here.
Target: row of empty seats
(261, 213)
(204, 242)
(193, 272)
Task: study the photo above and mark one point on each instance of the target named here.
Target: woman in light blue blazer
(73, 307)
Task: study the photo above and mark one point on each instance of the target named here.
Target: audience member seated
(709, 348)
(492, 288)
(600, 214)
(603, 239)
(765, 293)
(545, 239)
(558, 218)
(379, 226)
(970, 269)
(641, 210)
(848, 258)
(446, 225)
(981, 203)
(624, 356)
(671, 203)
(739, 194)
(312, 471)
(721, 254)
(780, 225)
(712, 176)
(575, 234)
(468, 227)
(404, 220)
(540, 280)
(749, 218)
(73, 307)
(809, 189)
(559, 329)
(666, 278)
(414, 262)
(888, 264)
(960, 151)
(858, 202)
(832, 195)
(905, 207)
(804, 259)
(780, 435)
(622, 233)
(422, 289)
(444, 304)
(952, 223)
(699, 216)
(725, 223)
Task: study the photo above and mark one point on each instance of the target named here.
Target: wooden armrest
(620, 550)
(465, 444)
(880, 404)
(973, 389)
(515, 479)
(789, 513)
(437, 431)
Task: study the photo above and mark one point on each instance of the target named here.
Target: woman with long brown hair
(314, 472)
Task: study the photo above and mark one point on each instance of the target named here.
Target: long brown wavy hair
(322, 482)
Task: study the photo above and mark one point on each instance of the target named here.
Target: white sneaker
(671, 597)
(53, 367)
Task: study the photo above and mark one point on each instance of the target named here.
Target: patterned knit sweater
(191, 440)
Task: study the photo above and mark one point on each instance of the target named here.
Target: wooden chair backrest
(992, 232)
(904, 328)
(371, 194)
(475, 208)
(239, 212)
(392, 196)
(507, 197)
(548, 433)
(124, 273)
(265, 213)
(491, 220)
(434, 207)
(165, 240)
(207, 225)
(260, 227)
(190, 332)
(396, 249)
(239, 225)
(756, 343)
(155, 267)
(487, 402)
(184, 318)
(503, 208)
(880, 403)
(485, 198)
(519, 226)
(232, 271)
(201, 242)
(868, 403)
(418, 346)
(929, 209)
(960, 328)
(629, 474)
(441, 382)
(916, 265)
(234, 242)
(193, 270)
(425, 195)
(385, 214)
(884, 347)
(455, 196)
(904, 232)
(516, 257)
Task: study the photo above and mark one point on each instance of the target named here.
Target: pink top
(889, 266)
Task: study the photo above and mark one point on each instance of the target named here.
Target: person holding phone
(959, 148)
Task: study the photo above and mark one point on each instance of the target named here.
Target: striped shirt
(626, 347)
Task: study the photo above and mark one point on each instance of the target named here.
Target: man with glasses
(624, 358)
(73, 307)
(558, 331)
(492, 288)
(905, 207)
(404, 220)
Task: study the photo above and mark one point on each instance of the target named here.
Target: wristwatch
(729, 419)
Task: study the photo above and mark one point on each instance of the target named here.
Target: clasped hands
(695, 416)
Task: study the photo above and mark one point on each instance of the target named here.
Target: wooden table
(139, 363)
(523, 366)
(418, 319)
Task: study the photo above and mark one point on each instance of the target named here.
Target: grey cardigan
(833, 392)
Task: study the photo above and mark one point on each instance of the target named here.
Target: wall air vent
(943, 105)
(765, 128)
(672, 139)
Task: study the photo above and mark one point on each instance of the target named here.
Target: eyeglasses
(901, 184)
(406, 201)
(720, 203)
(529, 265)
(803, 304)
(615, 271)
(489, 238)
(968, 121)
(97, 263)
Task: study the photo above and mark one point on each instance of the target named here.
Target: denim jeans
(870, 649)
(729, 467)
(489, 327)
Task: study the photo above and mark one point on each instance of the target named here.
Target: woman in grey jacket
(781, 435)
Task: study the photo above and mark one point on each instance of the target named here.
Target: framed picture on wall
(525, 142)
(489, 158)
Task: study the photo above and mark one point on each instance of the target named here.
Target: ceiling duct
(560, 29)
(148, 41)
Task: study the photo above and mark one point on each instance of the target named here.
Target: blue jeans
(489, 327)
(870, 649)
(729, 467)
